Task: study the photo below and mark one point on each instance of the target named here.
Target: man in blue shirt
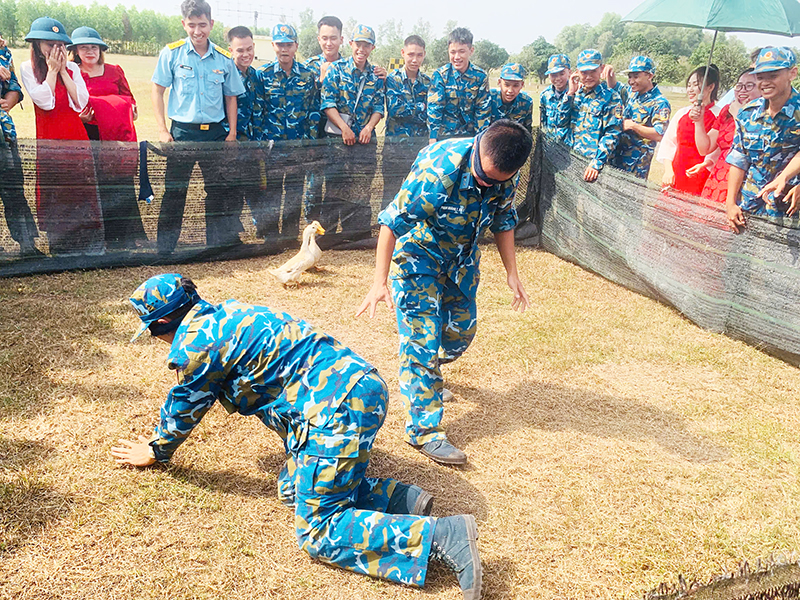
(459, 104)
(19, 219)
(327, 405)
(509, 101)
(291, 112)
(767, 137)
(204, 83)
(428, 245)
(644, 119)
(353, 100)
(593, 113)
(558, 70)
(406, 112)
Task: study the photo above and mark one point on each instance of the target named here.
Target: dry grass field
(612, 444)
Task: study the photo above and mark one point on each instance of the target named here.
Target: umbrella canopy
(781, 17)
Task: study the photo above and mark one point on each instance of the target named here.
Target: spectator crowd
(736, 152)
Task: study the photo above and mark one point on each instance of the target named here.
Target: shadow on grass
(27, 505)
(557, 408)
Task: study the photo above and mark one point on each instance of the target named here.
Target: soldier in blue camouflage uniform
(353, 89)
(593, 112)
(291, 112)
(645, 118)
(12, 184)
(459, 104)
(406, 112)
(327, 405)
(456, 190)
(767, 137)
(510, 102)
(558, 70)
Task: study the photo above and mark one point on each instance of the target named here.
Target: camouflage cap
(590, 59)
(557, 63)
(774, 59)
(512, 72)
(641, 64)
(157, 297)
(364, 33)
(283, 34)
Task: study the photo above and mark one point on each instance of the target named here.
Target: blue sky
(516, 24)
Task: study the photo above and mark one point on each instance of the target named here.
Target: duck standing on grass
(289, 272)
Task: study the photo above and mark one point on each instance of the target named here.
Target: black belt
(196, 126)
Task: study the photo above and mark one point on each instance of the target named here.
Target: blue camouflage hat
(641, 64)
(45, 28)
(283, 34)
(588, 60)
(157, 297)
(774, 59)
(557, 63)
(364, 33)
(512, 72)
(86, 35)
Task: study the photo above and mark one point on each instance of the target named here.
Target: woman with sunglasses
(721, 136)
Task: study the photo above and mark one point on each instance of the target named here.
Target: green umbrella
(781, 17)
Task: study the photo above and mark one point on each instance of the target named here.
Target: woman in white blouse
(66, 187)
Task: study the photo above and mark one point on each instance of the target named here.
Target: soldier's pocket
(214, 88)
(185, 82)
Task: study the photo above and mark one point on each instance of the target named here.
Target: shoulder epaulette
(222, 51)
(177, 44)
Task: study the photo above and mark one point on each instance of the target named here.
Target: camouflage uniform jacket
(595, 122)
(291, 102)
(407, 104)
(459, 104)
(250, 119)
(340, 90)
(635, 153)
(258, 362)
(762, 147)
(440, 212)
(520, 110)
(314, 62)
(549, 100)
(12, 85)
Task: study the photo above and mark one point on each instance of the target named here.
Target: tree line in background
(676, 50)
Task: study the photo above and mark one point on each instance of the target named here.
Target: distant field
(139, 69)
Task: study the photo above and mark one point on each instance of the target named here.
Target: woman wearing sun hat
(66, 189)
(109, 116)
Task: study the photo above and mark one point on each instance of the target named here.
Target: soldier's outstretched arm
(505, 246)
(136, 454)
(379, 292)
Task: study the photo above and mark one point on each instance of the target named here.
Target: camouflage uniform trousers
(340, 514)
(436, 323)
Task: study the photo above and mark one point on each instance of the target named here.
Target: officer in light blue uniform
(644, 119)
(558, 70)
(327, 405)
(510, 102)
(593, 112)
(204, 83)
(767, 137)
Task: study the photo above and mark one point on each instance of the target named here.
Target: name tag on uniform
(204, 127)
(187, 67)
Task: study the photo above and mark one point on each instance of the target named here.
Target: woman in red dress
(721, 136)
(109, 118)
(66, 187)
(685, 168)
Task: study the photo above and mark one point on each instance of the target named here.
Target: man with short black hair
(204, 84)
(249, 122)
(509, 101)
(429, 240)
(558, 71)
(459, 104)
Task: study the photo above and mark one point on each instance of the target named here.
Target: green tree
(489, 55)
(534, 57)
(307, 34)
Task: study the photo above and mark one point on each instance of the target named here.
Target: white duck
(289, 272)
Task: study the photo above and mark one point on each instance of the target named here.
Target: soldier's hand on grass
(377, 293)
(590, 174)
(348, 137)
(137, 454)
(520, 301)
(735, 217)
